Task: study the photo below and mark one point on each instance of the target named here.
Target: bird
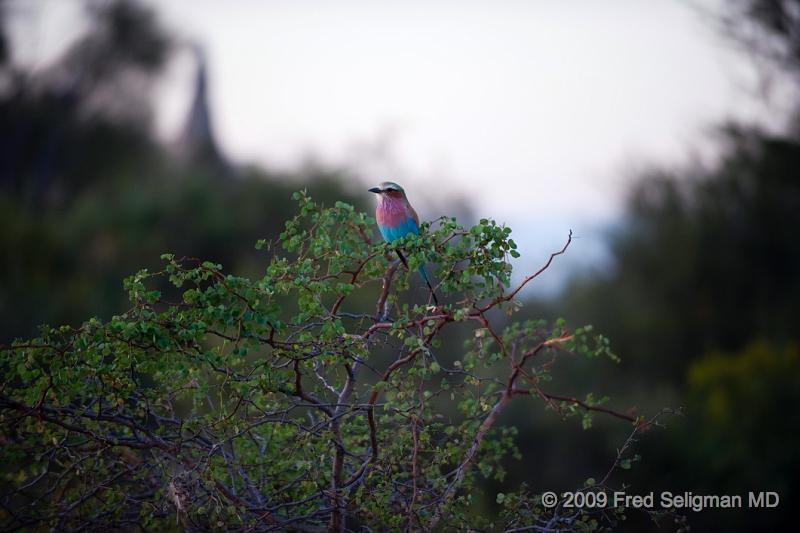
(396, 219)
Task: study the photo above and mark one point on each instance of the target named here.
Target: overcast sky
(536, 111)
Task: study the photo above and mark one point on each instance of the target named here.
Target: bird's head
(389, 189)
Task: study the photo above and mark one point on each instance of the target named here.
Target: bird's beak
(376, 190)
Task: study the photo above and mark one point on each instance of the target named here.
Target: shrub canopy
(327, 393)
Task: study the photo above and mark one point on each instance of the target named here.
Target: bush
(289, 402)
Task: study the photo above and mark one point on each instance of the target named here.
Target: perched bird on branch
(396, 219)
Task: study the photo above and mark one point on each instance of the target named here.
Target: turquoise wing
(393, 233)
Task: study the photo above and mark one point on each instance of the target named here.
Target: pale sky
(536, 111)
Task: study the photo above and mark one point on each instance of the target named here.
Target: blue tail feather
(423, 273)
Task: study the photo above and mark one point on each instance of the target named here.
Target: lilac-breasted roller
(396, 219)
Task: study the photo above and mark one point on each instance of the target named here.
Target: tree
(704, 291)
(706, 261)
(771, 28)
(288, 402)
(88, 193)
(78, 122)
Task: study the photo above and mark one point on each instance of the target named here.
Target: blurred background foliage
(88, 195)
(702, 305)
(701, 301)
